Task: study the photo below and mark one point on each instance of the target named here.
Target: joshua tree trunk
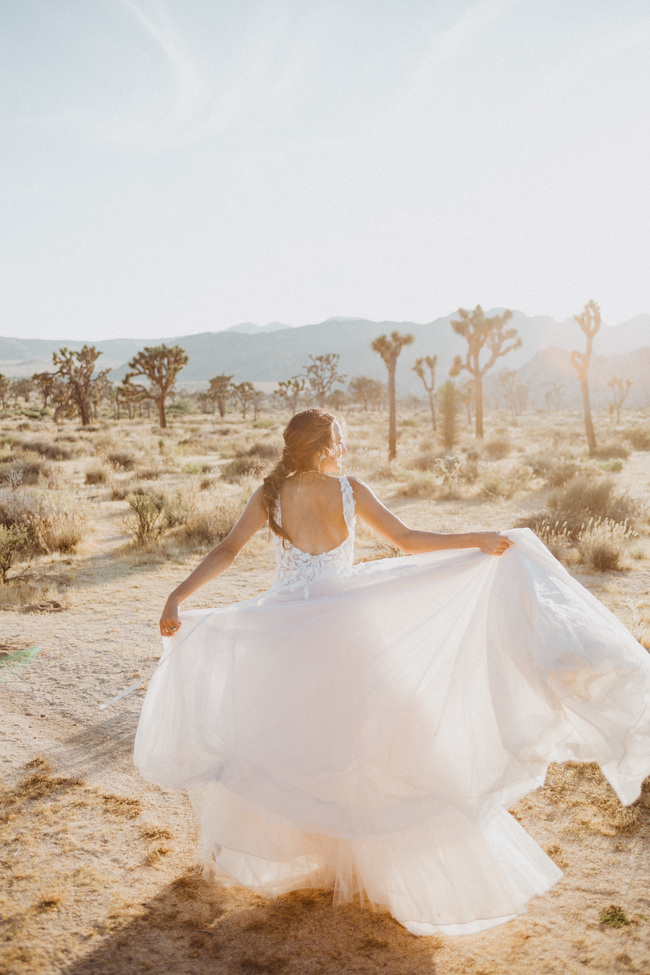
(589, 426)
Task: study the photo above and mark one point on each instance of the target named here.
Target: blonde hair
(308, 434)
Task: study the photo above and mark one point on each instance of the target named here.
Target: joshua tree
(244, 393)
(449, 407)
(5, 385)
(322, 373)
(220, 391)
(366, 390)
(290, 390)
(161, 365)
(620, 388)
(45, 382)
(77, 386)
(514, 392)
(429, 383)
(389, 349)
(589, 321)
(482, 333)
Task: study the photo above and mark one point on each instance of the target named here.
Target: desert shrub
(53, 451)
(207, 520)
(497, 449)
(420, 485)
(25, 470)
(12, 539)
(121, 489)
(96, 474)
(424, 461)
(266, 449)
(583, 499)
(602, 544)
(556, 471)
(503, 482)
(120, 460)
(147, 521)
(240, 467)
(638, 437)
(555, 536)
(611, 450)
(612, 466)
(190, 469)
(53, 522)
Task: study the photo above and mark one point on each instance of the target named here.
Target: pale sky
(176, 166)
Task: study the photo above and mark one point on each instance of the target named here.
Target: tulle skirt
(371, 737)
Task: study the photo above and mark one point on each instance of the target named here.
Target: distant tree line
(76, 387)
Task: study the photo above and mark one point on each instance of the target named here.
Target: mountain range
(267, 354)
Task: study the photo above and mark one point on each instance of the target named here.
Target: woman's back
(312, 512)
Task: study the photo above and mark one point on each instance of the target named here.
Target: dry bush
(585, 498)
(122, 488)
(148, 520)
(12, 539)
(53, 522)
(25, 470)
(503, 482)
(638, 437)
(497, 449)
(96, 473)
(25, 590)
(612, 450)
(120, 460)
(53, 451)
(556, 471)
(422, 484)
(241, 467)
(556, 538)
(602, 544)
(205, 520)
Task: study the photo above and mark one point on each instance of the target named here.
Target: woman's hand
(493, 543)
(169, 620)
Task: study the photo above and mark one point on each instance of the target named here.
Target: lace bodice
(295, 569)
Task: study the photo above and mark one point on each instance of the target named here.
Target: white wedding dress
(366, 727)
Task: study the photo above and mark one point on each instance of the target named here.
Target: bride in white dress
(366, 727)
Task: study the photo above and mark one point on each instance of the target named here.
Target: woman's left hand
(493, 543)
(170, 622)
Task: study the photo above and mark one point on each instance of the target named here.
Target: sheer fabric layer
(371, 736)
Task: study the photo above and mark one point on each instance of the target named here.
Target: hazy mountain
(248, 328)
(274, 351)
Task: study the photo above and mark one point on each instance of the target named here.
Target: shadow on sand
(194, 927)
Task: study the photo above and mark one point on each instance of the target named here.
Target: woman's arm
(377, 516)
(217, 561)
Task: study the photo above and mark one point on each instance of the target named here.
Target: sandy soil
(98, 865)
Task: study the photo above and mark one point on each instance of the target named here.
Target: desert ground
(98, 866)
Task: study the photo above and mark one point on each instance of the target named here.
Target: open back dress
(366, 727)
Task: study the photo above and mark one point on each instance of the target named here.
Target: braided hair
(307, 435)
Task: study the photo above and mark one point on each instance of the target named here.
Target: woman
(366, 727)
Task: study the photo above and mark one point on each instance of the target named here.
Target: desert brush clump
(497, 449)
(54, 521)
(502, 482)
(12, 539)
(612, 450)
(585, 498)
(52, 451)
(602, 544)
(637, 437)
(25, 469)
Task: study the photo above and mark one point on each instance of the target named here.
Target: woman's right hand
(170, 623)
(493, 543)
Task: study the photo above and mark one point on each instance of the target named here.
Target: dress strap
(347, 494)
